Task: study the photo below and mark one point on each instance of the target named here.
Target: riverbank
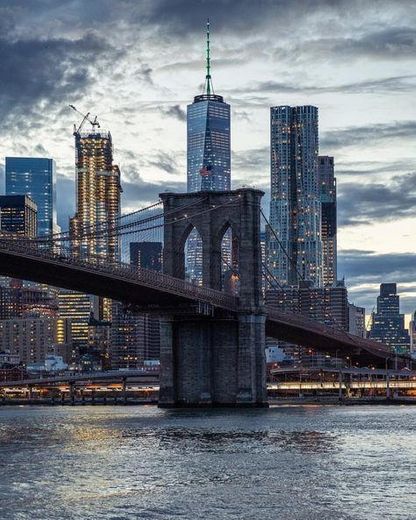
(319, 401)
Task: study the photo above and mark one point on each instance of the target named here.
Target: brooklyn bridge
(212, 338)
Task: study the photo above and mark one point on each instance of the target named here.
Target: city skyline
(361, 115)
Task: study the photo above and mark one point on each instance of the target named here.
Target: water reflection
(234, 441)
(291, 463)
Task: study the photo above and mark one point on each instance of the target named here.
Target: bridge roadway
(153, 291)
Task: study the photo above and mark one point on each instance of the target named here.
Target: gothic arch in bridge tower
(213, 356)
(228, 244)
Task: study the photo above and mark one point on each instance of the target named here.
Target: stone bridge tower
(210, 356)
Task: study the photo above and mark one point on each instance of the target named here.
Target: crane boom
(85, 117)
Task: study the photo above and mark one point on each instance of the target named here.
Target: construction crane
(86, 117)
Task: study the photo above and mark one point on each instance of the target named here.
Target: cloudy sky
(138, 63)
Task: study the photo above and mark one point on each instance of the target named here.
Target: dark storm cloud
(362, 269)
(370, 267)
(388, 43)
(45, 71)
(373, 168)
(368, 203)
(365, 135)
(165, 162)
(175, 111)
(389, 84)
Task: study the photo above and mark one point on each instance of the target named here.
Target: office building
(295, 206)
(356, 320)
(35, 177)
(76, 307)
(99, 345)
(208, 157)
(147, 255)
(135, 338)
(18, 301)
(328, 197)
(387, 323)
(32, 339)
(18, 215)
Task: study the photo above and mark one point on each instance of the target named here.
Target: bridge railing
(153, 279)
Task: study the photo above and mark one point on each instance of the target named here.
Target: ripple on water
(289, 463)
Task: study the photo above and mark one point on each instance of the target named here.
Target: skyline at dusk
(138, 65)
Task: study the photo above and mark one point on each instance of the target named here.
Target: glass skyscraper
(387, 323)
(208, 153)
(328, 195)
(295, 206)
(35, 177)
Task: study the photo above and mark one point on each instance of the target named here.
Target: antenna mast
(208, 81)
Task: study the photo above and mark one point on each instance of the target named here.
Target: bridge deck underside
(154, 297)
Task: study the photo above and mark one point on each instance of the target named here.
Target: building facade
(18, 301)
(328, 196)
(35, 177)
(32, 339)
(18, 215)
(98, 193)
(76, 307)
(387, 323)
(295, 206)
(135, 338)
(356, 320)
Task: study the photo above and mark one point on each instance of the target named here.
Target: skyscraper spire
(208, 82)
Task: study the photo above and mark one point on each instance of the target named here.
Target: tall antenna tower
(209, 89)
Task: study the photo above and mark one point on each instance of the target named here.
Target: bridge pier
(213, 361)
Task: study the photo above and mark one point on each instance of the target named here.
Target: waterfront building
(328, 196)
(18, 215)
(35, 177)
(387, 323)
(356, 320)
(208, 157)
(32, 339)
(147, 255)
(295, 205)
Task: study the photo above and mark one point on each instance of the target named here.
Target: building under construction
(98, 192)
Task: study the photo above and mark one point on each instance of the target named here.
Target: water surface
(122, 463)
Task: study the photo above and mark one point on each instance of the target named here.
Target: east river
(116, 463)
